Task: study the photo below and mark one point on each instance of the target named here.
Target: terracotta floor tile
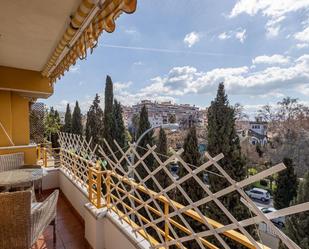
(70, 231)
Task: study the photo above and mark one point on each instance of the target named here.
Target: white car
(259, 193)
(278, 221)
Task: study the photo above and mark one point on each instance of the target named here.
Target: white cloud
(75, 69)
(239, 34)
(273, 59)
(120, 86)
(268, 82)
(224, 36)
(304, 89)
(302, 37)
(302, 45)
(274, 10)
(192, 38)
(131, 31)
(270, 8)
(138, 63)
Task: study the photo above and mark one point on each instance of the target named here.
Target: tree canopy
(68, 120)
(77, 127)
(94, 124)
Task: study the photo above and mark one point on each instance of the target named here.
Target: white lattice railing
(136, 193)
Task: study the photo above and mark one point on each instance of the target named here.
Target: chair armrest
(42, 214)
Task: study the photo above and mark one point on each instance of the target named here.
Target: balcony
(70, 228)
(106, 204)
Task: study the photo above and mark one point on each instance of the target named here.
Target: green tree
(259, 150)
(161, 149)
(172, 119)
(134, 126)
(286, 185)
(119, 130)
(52, 126)
(94, 124)
(222, 138)
(297, 225)
(108, 112)
(144, 125)
(68, 120)
(77, 127)
(191, 155)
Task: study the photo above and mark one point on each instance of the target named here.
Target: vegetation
(67, 120)
(108, 112)
(144, 125)
(297, 225)
(172, 119)
(94, 124)
(222, 138)
(286, 185)
(134, 127)
(52, 126)
(119, 130)
(77, 127)
(288, 125)
(162, 177)
(191, 155)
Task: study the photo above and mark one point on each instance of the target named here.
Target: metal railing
(151, 211)
(48, 156)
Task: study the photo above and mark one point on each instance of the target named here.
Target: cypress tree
(222, 138)
(134, 126)
(286, 185)
(297, 225)
(77, 127)
(191, 156)
(144, 125)
(94, 124)
(108, 112)
(161, 149)
(119, 130)
(67, 120)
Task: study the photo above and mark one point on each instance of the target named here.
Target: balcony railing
(48, 156)
(114, 182)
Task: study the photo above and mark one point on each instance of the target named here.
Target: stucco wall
(14, 116)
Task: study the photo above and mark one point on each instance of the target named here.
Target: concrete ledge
(104, 229)
(51, 179)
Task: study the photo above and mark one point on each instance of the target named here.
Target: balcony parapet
(124, 198)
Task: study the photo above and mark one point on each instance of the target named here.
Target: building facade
(166, 112)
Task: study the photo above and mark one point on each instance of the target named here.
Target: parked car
(258, 193)
(277, 221)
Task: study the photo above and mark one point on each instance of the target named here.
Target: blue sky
(180, 50)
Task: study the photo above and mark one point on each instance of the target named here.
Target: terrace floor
(69, 229)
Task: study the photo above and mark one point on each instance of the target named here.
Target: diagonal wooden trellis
(150, 210)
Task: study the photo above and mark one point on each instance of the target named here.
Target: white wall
(74, 193)
(51, 179)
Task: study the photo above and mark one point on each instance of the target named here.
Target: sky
(180, 50)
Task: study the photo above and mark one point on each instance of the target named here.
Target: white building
(258, 133)
(160, 113)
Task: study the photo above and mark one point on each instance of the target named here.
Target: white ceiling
(31, 29)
